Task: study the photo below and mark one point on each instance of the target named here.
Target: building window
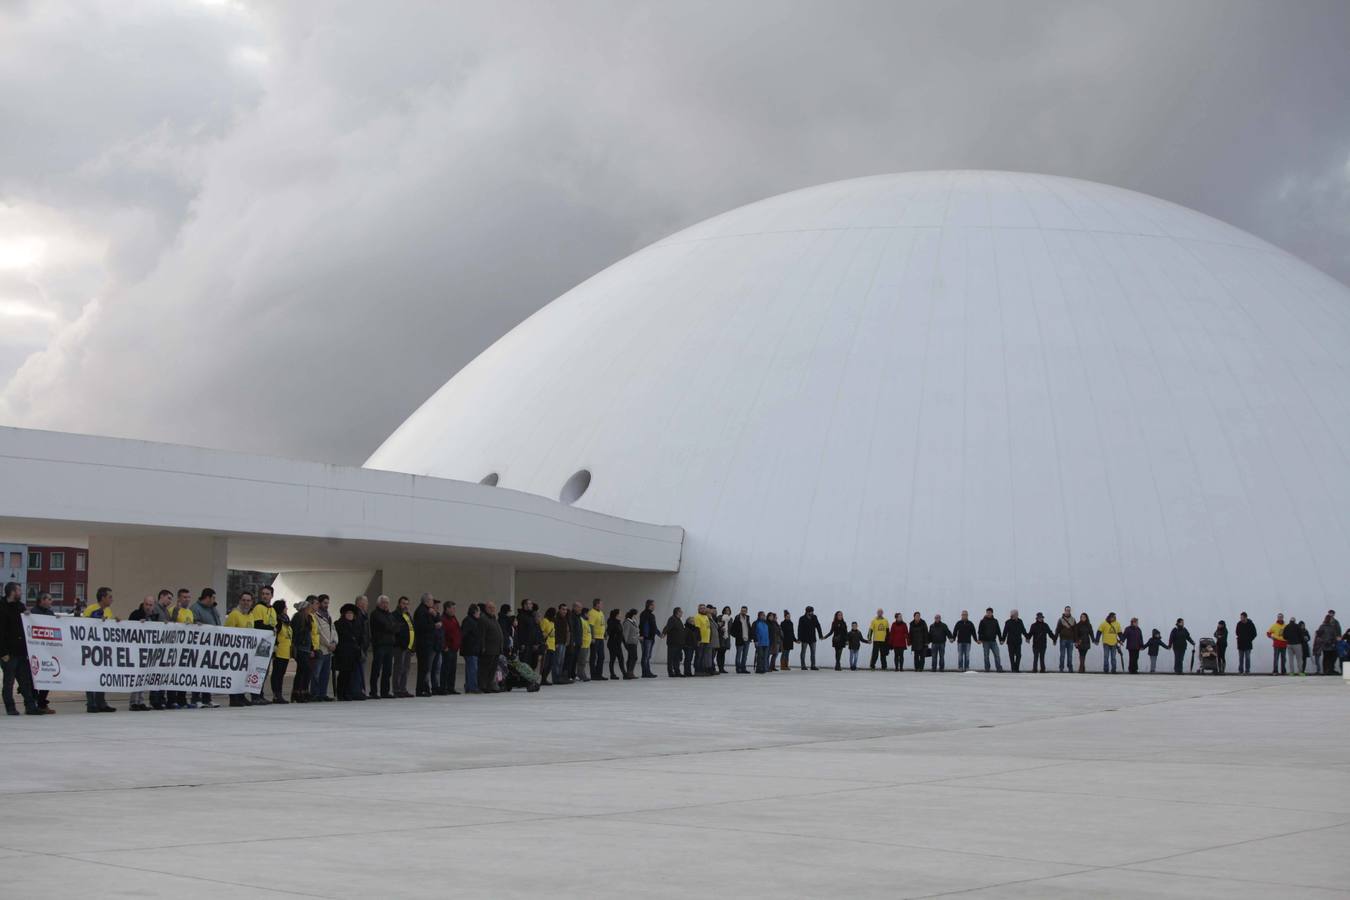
(34, 559)
(58, 562)
(79, 590)
(58, 591)
(15, 559)
(80, 562)
(33, 590)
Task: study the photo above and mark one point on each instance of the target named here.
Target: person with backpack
(1040, 633)
(1178, 640)
(918, 639)
(938, 636)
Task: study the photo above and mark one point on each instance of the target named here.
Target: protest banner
(80, 654)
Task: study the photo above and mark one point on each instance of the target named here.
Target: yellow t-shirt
(597, 622)
(880, 628)
(183, 616)
(704, 628)
(94, 611)
(584, 623)
(264, 614)
(237, 619)
(1110, 633)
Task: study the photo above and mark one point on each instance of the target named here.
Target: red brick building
(62, 572)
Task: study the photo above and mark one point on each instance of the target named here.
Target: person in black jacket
(471, 646)
(808, 630)
(14, 654)
(1014, 632)
(739, 629)
(1040, 632)
(964, 635)
(382, 642)
(789, 633)
(1245, 632)
(347, 655)
(838, 637)
(1083, 633)
(1178, 640)
(938, 636)
(494, 644)
(918, 640)
(424, 642)
(674, 635)
(1221, 645)
(648, 631)
(855, 639)
(614, 642)
(990, 636)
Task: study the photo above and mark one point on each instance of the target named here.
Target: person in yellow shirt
(879, 629)
(282, 658)
(1108, 634)
(703, 659)
(583, 624)
(595, 621)
(101, 608)
(549, 629)
(242, 616)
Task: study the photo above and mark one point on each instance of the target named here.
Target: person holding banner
(182, 614)
(205, 612)
(143, 613)
(241, 617)
(101, 608)
(14, 654)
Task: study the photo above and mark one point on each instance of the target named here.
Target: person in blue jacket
(761, 632)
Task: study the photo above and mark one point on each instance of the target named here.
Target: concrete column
(134, 566)
(462, 584)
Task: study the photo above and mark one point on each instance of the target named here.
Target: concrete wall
(136, 566)
(341, 587)
(461, 584)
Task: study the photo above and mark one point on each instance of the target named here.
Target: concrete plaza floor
(797, 784)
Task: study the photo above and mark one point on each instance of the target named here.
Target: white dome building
(937, 391)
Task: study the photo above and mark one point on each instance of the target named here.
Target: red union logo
(45, 633)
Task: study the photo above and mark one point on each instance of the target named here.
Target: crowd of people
(370, 652)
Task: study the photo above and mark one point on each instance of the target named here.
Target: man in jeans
(1245, 632)
(101, 608)
(741, 632)
(1108, 634)
(470, 646)
(1064, 633)
(808, 629)
(647, 632)
(964, 633)
(323, 661)
(1276, 634)
(990, 635)
(14, 654)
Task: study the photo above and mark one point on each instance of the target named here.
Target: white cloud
(307, 218)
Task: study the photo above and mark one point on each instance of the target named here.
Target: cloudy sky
(281, 227)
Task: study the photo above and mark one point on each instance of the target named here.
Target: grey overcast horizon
(280, 227)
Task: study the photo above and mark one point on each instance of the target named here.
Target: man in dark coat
(494, 643)
(14, 653)
(1014, 632)
(1039, 633)
(990, 636)
(1178, 640)
(1134, 642)
(648, 631)
(1245, 632)
(424, 642)
(918, 639)
(674, 635)
(382, 641)
(471, 646)
(740, 633)
(808, 630)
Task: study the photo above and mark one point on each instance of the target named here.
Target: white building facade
(936, 391)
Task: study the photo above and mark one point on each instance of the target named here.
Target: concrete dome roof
(939, 390)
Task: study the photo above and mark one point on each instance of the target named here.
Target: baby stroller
(1209, 656)
(515, 674)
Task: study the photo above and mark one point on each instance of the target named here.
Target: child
(1152, 645)
(855, 642)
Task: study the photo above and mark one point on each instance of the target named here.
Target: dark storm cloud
(280, 228)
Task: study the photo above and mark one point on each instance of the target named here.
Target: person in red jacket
(450, 638)
(898, 640)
